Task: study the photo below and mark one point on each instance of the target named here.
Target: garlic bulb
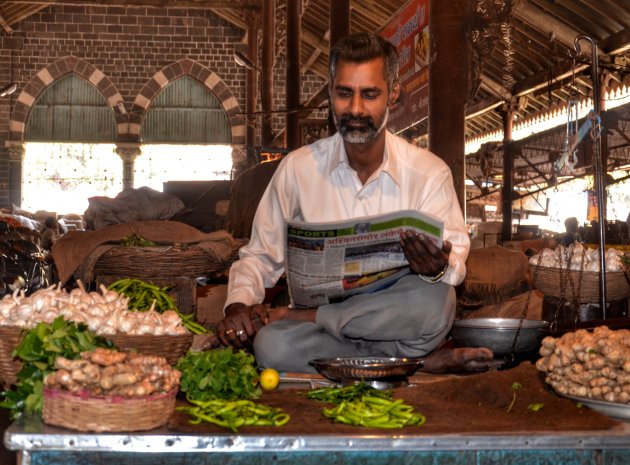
(105, 312)
(578, 257)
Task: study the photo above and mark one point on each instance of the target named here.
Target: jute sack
(493, 274)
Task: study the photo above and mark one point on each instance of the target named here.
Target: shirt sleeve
(261, 261)
(441, 201)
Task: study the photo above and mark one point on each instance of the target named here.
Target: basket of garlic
(572, 273)
(108, 391)
(104, 312)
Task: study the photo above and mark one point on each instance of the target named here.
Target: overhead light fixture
(8, 90)
(242, 60)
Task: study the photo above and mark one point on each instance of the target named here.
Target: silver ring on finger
(240, 332)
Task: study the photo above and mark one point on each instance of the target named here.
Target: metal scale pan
(378, 372)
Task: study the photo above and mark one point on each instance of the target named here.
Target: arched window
(185, 137)
(69, 151)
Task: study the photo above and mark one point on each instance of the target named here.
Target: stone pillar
(16, 157)
(448, 86)
(128, 153)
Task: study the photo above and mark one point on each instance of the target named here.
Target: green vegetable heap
(136, 240)
(233, 414)
(362, 405)
(144, 295)
(38, 350)
(220, 384)
(219, 374)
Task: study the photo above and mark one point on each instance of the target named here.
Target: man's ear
(394, 95)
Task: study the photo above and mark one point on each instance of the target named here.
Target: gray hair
(362, 47)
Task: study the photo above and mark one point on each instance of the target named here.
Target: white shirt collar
(390, 164)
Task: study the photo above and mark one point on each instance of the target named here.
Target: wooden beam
(495, 88)
(538, 19)
(203, 4)
(293, 135)
(617, 43)
(5, 25)
(268, 63)
(319, 49)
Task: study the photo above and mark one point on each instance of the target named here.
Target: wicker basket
(159, 262)
(101, 414)
(10, 337)
(182, 290)
(551, 281)
(172, 348)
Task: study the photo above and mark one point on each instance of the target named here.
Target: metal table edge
(16, 438)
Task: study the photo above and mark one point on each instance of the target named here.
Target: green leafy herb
(515, 387)
(535, 407)
(219, 374)
(38, 350)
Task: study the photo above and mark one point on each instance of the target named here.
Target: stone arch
(53, 72)
(209, 79)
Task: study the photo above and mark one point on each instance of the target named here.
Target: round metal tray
(612, 409)
(366, 368)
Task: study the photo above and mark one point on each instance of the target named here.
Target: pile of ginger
(592, 365)
(105, 372)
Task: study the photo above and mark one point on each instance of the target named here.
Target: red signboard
(408, 30)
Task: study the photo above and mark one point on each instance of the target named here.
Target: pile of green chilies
(362, 405)
(234, 414)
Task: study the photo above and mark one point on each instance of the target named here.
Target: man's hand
(240, 324)
(424, 257)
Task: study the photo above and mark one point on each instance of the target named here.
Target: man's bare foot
(468, 359)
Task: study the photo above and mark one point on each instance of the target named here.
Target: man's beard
(361, 135)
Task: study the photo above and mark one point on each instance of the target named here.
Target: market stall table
(474, 419)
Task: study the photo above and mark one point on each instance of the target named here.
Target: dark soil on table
(466, 404)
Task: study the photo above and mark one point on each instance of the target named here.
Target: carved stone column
(16, 158)
(128, 153)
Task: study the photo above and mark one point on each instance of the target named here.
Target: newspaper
(328, 262)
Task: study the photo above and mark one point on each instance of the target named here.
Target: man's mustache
(345, 120)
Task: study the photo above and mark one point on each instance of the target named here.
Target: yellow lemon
(269, 379)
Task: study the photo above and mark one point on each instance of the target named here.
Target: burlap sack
(528, 305)
(493, 274)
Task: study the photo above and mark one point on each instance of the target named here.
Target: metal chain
(554, 324)
(509, 358)
(578, 294)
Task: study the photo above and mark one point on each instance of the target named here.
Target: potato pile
(105, 372)
(593, 365)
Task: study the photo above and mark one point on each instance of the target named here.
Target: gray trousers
(408, 319)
